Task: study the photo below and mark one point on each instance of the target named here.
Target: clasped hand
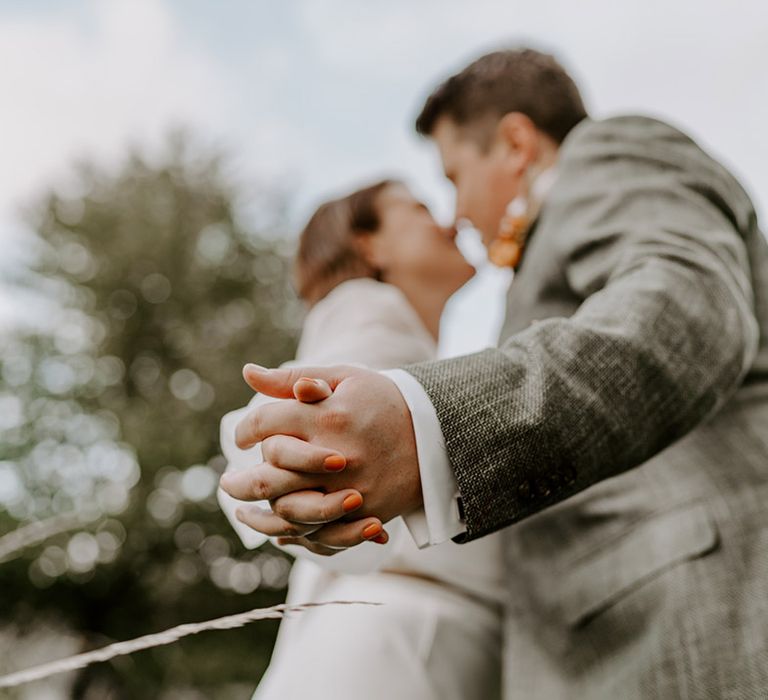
(339, 457)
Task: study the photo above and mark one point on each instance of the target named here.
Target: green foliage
(161, 295)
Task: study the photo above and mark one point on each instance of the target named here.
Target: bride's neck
(428, 304)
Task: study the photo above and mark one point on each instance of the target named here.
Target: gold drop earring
(506, 250)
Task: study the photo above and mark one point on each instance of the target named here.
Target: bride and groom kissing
(577, 513)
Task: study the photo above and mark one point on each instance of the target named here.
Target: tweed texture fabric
(621, 428)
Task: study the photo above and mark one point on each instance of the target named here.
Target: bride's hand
(359, 416)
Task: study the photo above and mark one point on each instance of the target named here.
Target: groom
(621, 427)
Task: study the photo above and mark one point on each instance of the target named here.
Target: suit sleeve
(664, 335)
(439, 519)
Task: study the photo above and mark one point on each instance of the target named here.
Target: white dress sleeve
(240, 459)
(361, 322)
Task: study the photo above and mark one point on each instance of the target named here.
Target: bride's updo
(328, 254)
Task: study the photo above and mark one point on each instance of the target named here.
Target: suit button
(568, 473)
(543, 487)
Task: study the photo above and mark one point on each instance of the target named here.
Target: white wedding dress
(437, 634)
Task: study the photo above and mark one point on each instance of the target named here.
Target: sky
(317, 95)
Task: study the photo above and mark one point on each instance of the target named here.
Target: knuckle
(254, 423)
(335, 419)
(269, 449)
(244, 515)
(326, 510)
(291, 530)
(282, 509)
(259, 487)
(294, 375)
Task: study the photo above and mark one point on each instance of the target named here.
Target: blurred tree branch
(159, 294)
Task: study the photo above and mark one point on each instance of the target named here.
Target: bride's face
(412, 249)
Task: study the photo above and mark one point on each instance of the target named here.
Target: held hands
(344, 444)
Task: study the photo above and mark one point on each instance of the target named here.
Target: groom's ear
(519, 138)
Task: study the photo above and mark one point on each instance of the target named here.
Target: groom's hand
(360, 421)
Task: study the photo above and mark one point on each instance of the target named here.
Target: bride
(376, 271)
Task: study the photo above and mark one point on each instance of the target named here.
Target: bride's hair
(328, 254)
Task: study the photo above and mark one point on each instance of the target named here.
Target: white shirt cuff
(439, 520)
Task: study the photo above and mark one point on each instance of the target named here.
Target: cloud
(76, 84)
(72, 86)
(673, 60)
(322, 95)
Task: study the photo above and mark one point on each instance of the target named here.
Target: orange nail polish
(381, 539)
(370, 531)
(334, 463)
(351, 502)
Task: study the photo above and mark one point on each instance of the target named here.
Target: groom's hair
(515, 80)
(328, 254)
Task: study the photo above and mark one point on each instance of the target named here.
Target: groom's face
(484, 180)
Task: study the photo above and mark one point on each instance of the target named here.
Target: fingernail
(309, 379)
(250, 367)
(239, 514)
(334, 463)
(352, 502)
(381, 539)
(370, 531)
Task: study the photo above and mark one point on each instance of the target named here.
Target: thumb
(309, 390)
(278, 383)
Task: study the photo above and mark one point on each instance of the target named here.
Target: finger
(271, 524)
(278, 418)
(265, 482)
(342, 534)
(279, 382)
(314, 507)
(310, 546)
(309, 390)
(297, 455)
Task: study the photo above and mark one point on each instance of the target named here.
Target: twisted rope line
(13, 543)
(149, 641)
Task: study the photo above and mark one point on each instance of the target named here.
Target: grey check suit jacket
(620, 431)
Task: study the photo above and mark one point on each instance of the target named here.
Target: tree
(162, 294)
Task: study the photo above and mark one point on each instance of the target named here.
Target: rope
(12, 543)
(149, 641)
